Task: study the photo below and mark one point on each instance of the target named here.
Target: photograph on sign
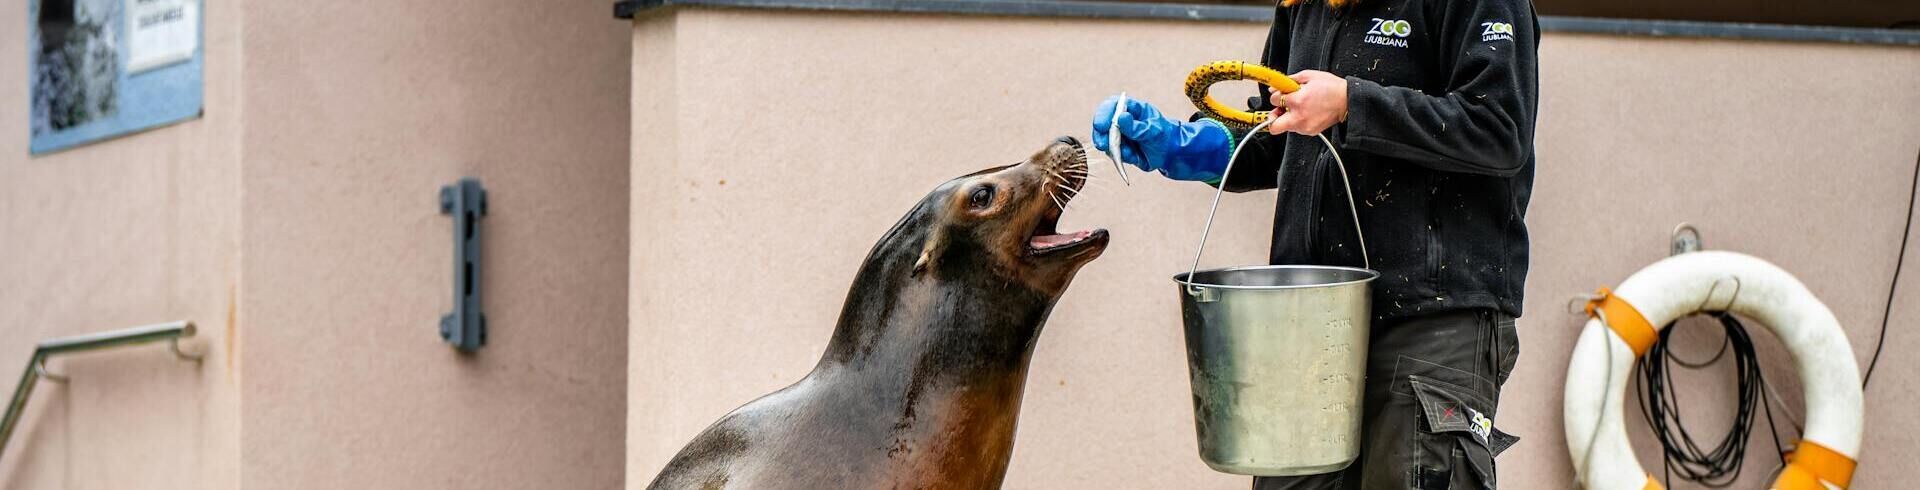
(104, 68)
(74, 65)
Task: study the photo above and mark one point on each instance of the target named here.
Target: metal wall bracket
(466, 326)
(1685, 239)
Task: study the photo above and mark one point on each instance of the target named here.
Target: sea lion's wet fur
(920, 385)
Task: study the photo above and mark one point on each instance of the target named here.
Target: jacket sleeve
(1483, 123)
(1258, 167)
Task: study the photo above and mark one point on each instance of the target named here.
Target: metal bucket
(1277, 356)
(1278, 359)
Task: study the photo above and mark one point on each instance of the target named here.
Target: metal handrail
(37, 366)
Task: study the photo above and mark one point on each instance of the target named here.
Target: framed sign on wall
(104, 68)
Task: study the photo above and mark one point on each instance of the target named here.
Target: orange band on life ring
(1625, 321)
(1812, 463)
(1652, 484)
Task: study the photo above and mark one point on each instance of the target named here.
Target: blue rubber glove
(1196, 151)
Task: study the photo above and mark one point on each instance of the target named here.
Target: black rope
(1719, 465)
(1898, 261)
(1773, 433)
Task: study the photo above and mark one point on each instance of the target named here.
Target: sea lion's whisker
(1056, 173)
(1082, 173)
(1086, 180)
(1087, 177)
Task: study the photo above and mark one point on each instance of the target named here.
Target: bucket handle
(1366, 262)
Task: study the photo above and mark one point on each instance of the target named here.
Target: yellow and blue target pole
(1206, 75)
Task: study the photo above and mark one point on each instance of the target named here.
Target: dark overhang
(1655, 18)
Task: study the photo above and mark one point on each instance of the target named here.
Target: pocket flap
(1449, 408)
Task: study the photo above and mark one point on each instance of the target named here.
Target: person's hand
(1103, 123)
(1196, 151)
(1320, 103)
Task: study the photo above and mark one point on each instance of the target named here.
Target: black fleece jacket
(1441, 98)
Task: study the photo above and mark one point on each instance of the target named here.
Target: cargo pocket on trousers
(1457, 438)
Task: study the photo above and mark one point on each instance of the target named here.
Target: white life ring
(1711, 281)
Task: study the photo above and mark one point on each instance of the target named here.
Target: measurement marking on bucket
(1334, 337)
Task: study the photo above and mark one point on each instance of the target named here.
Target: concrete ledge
(1729, 30)
(626, 9)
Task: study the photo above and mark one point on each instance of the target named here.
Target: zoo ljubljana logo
(1389, 32)
(1496, 31)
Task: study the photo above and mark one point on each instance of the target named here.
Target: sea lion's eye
(982, 197)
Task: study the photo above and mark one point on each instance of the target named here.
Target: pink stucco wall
(357, 112)
(297, 224)
(644, 189)
(137, 230)
(771, 148)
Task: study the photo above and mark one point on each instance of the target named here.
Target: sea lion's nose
(1069, 141)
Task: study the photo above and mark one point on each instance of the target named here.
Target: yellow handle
(1206, 75)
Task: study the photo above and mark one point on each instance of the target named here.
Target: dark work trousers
(1433, 385)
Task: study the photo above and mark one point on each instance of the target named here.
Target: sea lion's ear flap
(920, 266)
(935, 241)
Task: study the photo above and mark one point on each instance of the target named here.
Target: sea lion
(920, 384)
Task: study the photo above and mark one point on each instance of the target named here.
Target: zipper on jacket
(1435, 256)
(1339, 20)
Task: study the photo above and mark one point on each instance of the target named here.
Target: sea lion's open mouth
(1047, 241)
(1066, 176)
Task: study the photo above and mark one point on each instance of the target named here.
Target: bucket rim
(1370, 275)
